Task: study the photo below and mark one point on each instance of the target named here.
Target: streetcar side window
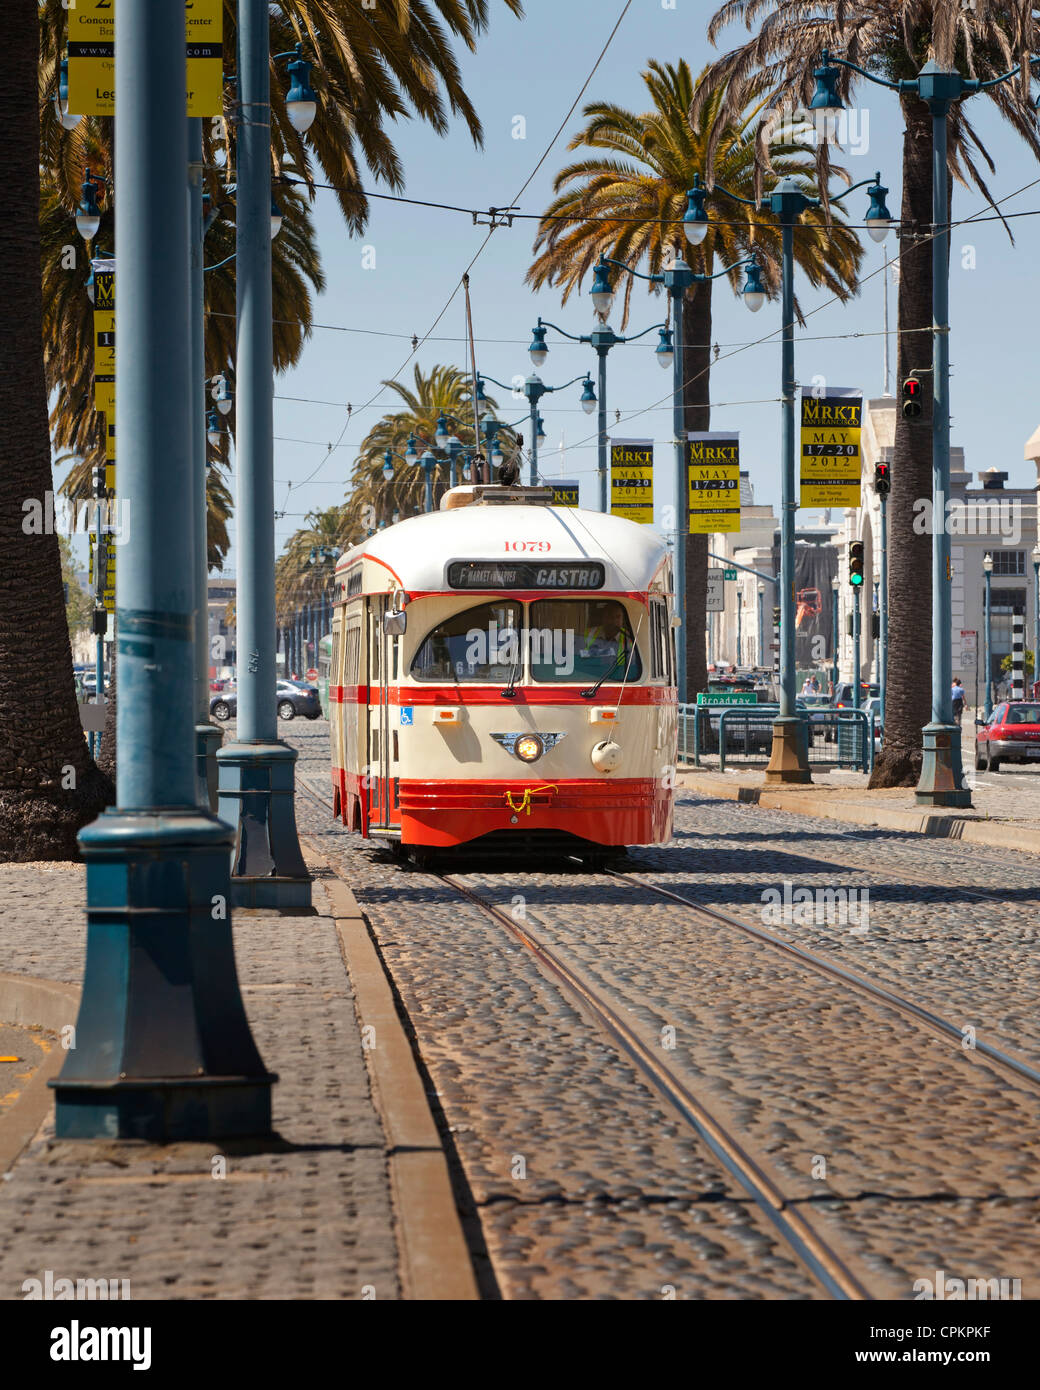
(578, 640)
(480, 644)
(660, 640)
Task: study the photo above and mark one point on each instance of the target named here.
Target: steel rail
(824, 1263)
(825, 966)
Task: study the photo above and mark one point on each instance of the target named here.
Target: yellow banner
(108, 549)
(205, 25)
(105, 342)
(92, 61)
(565, 493)
(713, 475)
(632, 479)
(92, 64)
(830, 454)
(110, 452)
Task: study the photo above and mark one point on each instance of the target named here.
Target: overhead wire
(480, 249)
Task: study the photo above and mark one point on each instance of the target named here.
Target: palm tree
(372, 69)
(629, 204)
(444, 390)
(894, 38)
(49, 786)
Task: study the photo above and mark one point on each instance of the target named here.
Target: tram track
(794, 1222)
(1014, 1066)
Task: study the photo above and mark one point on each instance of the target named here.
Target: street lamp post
(857, 620)
(987, 566)
(163, 1050)
(789, 760)
(677, 280)
(883, 613)
(257, 772)
(601, 339)
(835, 635)
(208, 737)
(534, 389)
(1036, 612)
(942, 775)
(761, 626)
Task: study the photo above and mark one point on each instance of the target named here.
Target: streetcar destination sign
(524, 574)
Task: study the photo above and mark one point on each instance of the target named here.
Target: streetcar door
(385, 777)
(373, 759)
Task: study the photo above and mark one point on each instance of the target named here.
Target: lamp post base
(257, 798)
(162, 1048)
(208, 738)
(789, 758)
(942, 777)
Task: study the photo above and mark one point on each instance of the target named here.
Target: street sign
(716, 592)
(92, 62)
(969, 641)
(729, 574)
(728, 697)
(312, 674)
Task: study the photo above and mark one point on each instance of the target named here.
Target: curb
(435, 1258)
(978, 832)
(51, 1005)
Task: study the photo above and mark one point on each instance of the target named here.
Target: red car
(1010, 735)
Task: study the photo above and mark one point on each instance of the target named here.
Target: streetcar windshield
(480, 644)
(579, 640)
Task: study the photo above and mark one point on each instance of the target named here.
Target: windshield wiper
(510, 691)
(593, 690)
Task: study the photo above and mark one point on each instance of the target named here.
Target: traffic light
(882, 479)
(875, 624)
(913, 397)
(776, 616)
(856, 563)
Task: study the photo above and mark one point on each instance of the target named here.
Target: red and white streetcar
(503, 670)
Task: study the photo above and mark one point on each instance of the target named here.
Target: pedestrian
(958, 696)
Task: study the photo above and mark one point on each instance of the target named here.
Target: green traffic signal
(856, 563)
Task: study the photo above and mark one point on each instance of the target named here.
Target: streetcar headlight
(528, 749)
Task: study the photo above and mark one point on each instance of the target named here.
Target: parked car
(843, 694)
(1010, 735)
(294, 697)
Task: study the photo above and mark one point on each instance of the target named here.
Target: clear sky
(534, 69)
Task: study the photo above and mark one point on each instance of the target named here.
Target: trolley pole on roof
(257, 772)
(163, 1048)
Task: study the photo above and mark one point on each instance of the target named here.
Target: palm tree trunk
(49, 786)
(697, 413)
(908, 696)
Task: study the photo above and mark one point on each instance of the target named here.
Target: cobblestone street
(912, 1152)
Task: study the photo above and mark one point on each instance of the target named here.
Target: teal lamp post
(1036, 612)
(789, 759)
(257, 772)
(163, 1050)
(670, 352)
(601, 339)
(534, 389)
(942, 771)
(987, 569)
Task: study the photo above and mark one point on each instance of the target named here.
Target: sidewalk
(1003, 815)
(316, 1213)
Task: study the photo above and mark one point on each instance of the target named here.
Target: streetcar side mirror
(395, 624)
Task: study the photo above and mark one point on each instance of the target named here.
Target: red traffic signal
(882, 479)
(913, 396)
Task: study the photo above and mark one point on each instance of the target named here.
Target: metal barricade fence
(743, 734)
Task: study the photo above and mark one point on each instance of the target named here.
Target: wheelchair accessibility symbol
(406, 715)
